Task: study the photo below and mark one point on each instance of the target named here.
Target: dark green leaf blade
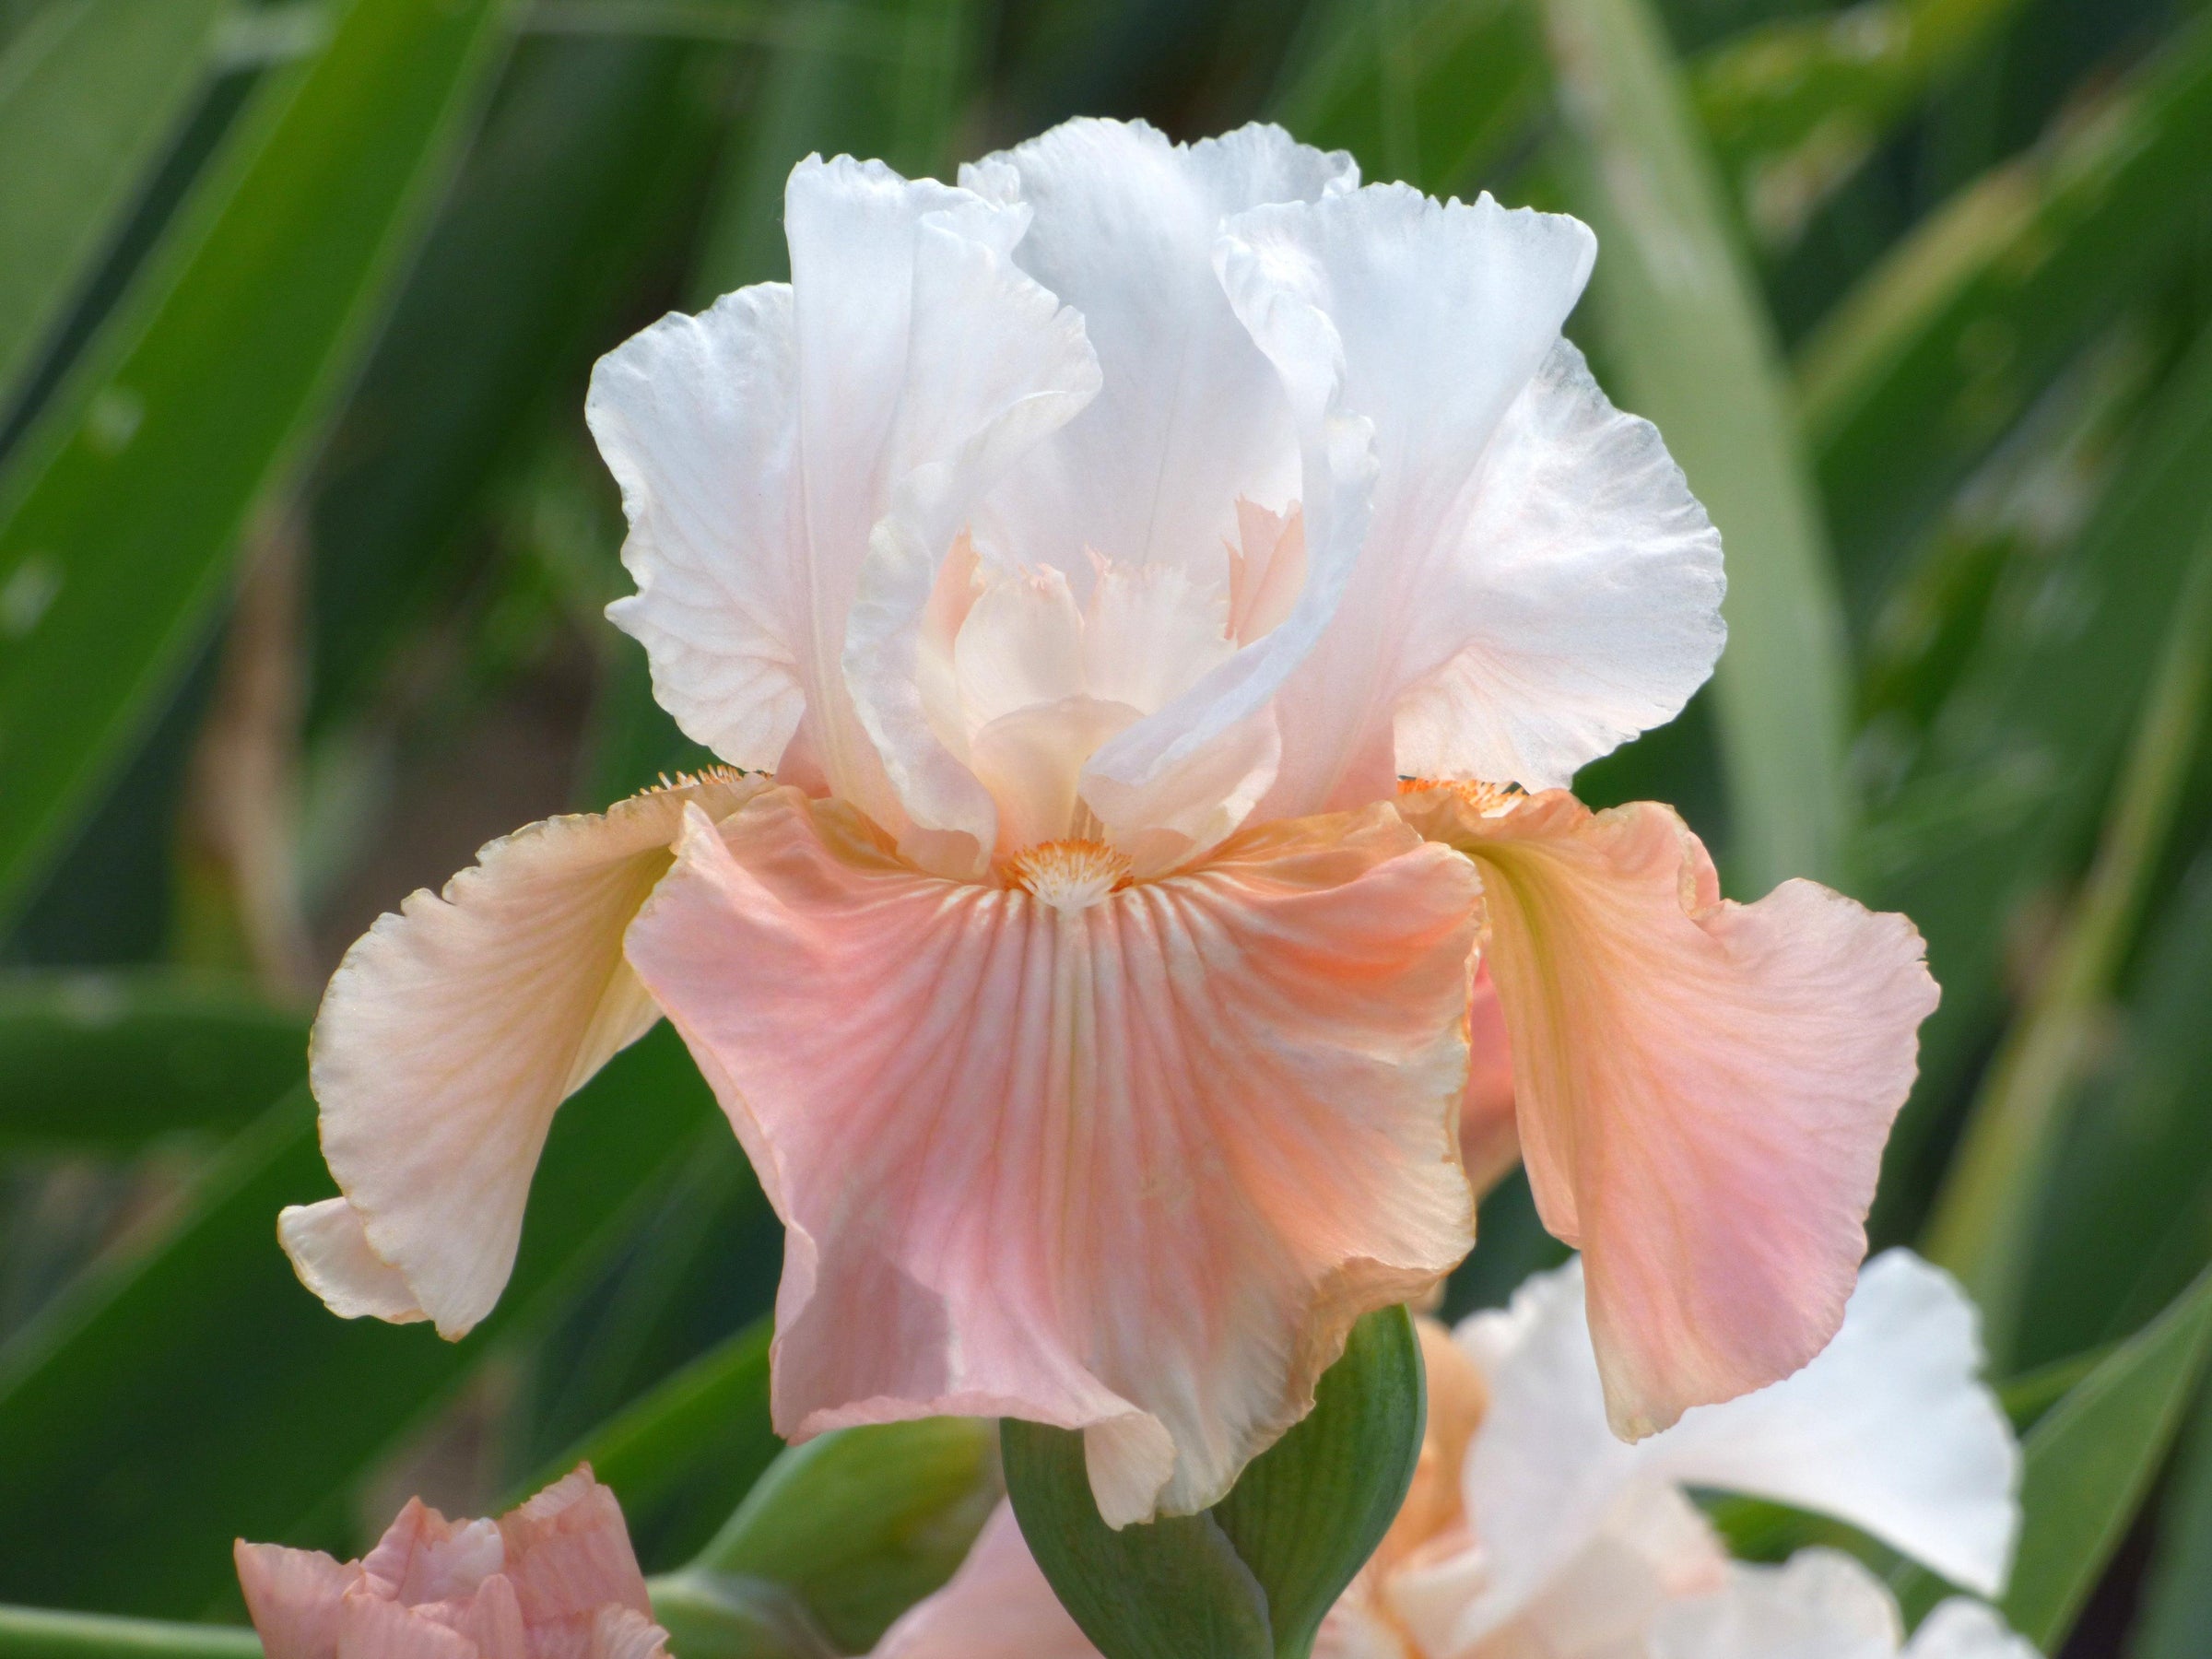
(39, 1633)
(88, 92)
(197, 1393)
(109, 1061)
(682, 1457)
(1165, 1591)
(1307, 1514)
(126, 504)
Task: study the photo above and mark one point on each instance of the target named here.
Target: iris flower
(1068, 564)
(554, 1578)
(1530, 1529)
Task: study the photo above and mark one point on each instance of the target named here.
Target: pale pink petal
(1266, 570)
(373, 1628)
(1353, 1629)
(624, 1633)
(1490, 1137)
(292, 1597)
(1703, 1087)
(1821, 1604)
(448, 1035)
(424, 1558)
(1131, 1162)
(568, 1557)
(492, 1618)
(997, 1607)
(1190, 415)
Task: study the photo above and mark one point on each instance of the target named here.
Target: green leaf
(567, 190)
(1686, 335)
(1432, 93)
(1794, 105)
(1257, 1573)
(126, 503)
(1162, 1591)
(2174, 1616)
(1936, 353)
(110, 1060)
(681, 1457)
(2089, 1462)
(2010, 782)
(1982, 1228)
(88, 93)
(39, 1633)
(195, 1393)
(856, 1526)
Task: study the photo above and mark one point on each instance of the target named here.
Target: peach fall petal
(448, 1035)
(555, 1579)
(1703, 1087)
(1123, 1158)
(1489, 1138)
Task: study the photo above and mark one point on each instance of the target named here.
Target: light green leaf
(121, 515)
(39, 1633)
(197, 1393)
(110, 1061)
(1688, 340)
(1255, 1574)
(1936, 353)
(89, 94)
(855, 1526)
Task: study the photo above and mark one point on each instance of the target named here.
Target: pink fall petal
(555, 1579)
(448, 1035)
(1704, 1088)
(1130, 1162)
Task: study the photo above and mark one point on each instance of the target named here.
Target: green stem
(45, 1633)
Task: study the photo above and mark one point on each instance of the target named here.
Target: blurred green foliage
(302, 547)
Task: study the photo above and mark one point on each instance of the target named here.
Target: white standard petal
(1820, 1605)
(1432, 318)
(1570, 601)
(761, 446)
(1190, 415)
(448, 1035)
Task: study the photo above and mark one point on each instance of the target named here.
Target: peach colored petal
(1704, 1087)
(424, 1558)
(1133, 1165)
(292, 1597)
(997, 1607)
(623, 1633)
(448, 1035)
(568, 1558)
(371, 1627)
(1489, 1138)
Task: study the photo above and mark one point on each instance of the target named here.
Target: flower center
(1487, 800)
(1068, 875)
